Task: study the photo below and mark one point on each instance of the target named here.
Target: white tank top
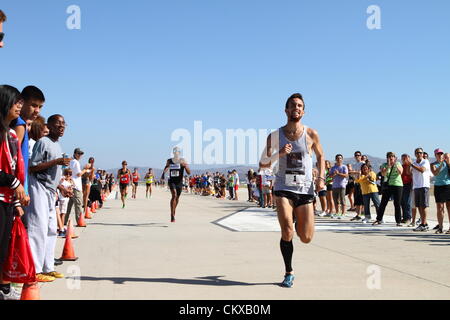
(295, 170)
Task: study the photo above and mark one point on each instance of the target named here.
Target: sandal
(448, 232)
(376, 223)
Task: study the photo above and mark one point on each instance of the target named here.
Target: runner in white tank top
(291, 147)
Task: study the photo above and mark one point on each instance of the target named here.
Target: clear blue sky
(138, 70)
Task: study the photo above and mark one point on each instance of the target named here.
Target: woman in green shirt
(392, 173)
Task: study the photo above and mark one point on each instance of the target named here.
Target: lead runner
(292, 146)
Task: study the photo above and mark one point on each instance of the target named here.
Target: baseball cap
(438, 150)
(78, 150)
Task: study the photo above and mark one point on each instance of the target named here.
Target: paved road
(212, 253)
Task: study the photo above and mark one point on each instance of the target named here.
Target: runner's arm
(165, 170)
(268, 156)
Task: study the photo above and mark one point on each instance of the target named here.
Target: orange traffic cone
(93, 207)
(70, 232)
(87, 214)
(30, 291)
(81, 223)
(68, 252)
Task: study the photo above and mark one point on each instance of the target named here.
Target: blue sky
(137, 71)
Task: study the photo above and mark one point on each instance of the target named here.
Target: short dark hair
(390, 154)
(2, 16)
(54, 118)
(295, 96)
(339, 155)
(357, 152)
(32, 92)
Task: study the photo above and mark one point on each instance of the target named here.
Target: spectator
(339, 173)
(77, 199)
(86, 180)
(392, 172)
(249, 186)
(236, 185)
(350, 189)
(231, 185)
(44, 178)
(440, 169)
(329, 183)
(407, 189)
(63, 200)
(322, 195)
(12, 176)
(355, 173)
(421, 171)
(267, 184)
(2, 19)
(33, 102)
(38, 129)
(369, 190)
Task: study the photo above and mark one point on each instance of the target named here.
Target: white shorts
(63, 202)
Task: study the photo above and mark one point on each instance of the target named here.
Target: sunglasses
(418, 152)
(2, 35)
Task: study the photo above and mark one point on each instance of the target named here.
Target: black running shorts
(298, 199)
(178, 187)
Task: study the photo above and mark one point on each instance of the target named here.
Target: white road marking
(265, 220)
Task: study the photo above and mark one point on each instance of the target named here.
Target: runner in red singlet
(135, 184)
(124, 177)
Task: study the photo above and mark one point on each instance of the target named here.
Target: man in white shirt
(421, 172)
(77, 198)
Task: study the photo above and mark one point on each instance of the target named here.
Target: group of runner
(125, 177)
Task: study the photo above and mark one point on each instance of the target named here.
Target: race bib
(295, 179)
(174, 174)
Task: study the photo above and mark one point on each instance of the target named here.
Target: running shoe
(438, 231)
(288, 281)
(412, 224)
(437, 227)
(123, 206)
(377, 223)
(172, 218)
(422, 228)
(357, 218)
(13, 294)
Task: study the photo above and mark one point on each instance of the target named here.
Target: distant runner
(292, 146)
(135, 184)
(176, 167)
(124, 177)
(149, 180)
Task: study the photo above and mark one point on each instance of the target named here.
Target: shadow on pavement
(433, 239)
(154, 225)
(201, 281)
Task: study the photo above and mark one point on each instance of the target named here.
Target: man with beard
(292, 146)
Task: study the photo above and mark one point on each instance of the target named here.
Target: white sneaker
(12, 295)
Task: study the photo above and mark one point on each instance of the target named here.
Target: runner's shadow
(201, 281)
